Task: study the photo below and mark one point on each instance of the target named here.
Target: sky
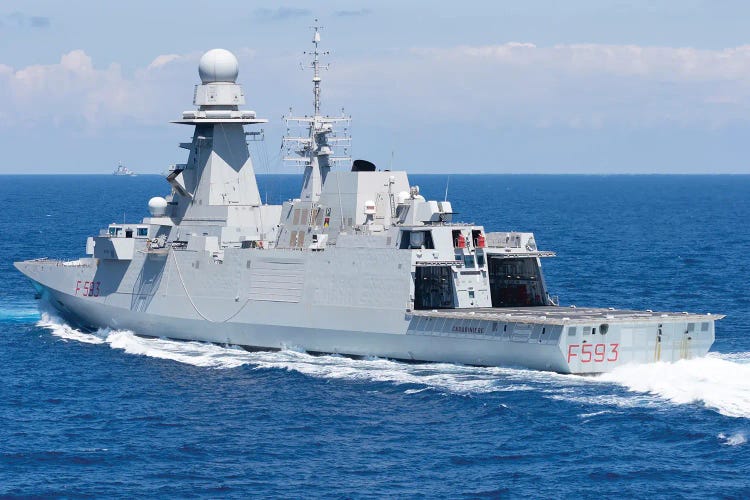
(575, 86)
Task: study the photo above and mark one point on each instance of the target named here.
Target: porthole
(603, 328)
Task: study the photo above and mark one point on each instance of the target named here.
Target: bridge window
(480, 259)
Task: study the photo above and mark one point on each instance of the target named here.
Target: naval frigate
(122, 170)
(360, 264)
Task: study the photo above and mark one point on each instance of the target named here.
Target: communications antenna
(321, 147)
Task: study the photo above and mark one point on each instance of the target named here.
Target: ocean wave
(737, 357)
(606, 399)
(736, 439)
(595, 414)
(19, 313)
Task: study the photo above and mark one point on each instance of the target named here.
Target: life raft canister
(460, 241)
(480, 240)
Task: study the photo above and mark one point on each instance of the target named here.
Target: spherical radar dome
(218, 65)
(157, 206)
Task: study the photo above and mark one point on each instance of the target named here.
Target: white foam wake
(194, 353)
(735, 439)
(446, 377)
(718, 381)
(66, 332)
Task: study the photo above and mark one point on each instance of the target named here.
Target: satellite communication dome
(157, 206)
(218, 65)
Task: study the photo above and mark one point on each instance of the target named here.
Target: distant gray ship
(123, 170)
(359, 264)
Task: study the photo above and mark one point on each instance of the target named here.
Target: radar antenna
(316, 66)
(321, 147)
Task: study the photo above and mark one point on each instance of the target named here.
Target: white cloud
(575, 86)
(163, 60)
(74, 92)
(678, 64)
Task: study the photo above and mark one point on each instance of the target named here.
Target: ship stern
(598, 348)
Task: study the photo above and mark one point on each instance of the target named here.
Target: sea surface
(111, 414)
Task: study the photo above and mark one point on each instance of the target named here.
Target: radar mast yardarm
(316, 150)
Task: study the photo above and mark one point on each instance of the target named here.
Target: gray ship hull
(352, 318)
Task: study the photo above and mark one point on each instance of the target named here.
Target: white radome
(157, 206)
(218, 65)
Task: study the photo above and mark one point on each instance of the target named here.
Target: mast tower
(316, 150)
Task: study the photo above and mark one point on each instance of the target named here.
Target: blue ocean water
(113, 414)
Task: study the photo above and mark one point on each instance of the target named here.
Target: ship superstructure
(359, 264)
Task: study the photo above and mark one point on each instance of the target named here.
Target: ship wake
(193, 353)
(720, 382)
(445, 377)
